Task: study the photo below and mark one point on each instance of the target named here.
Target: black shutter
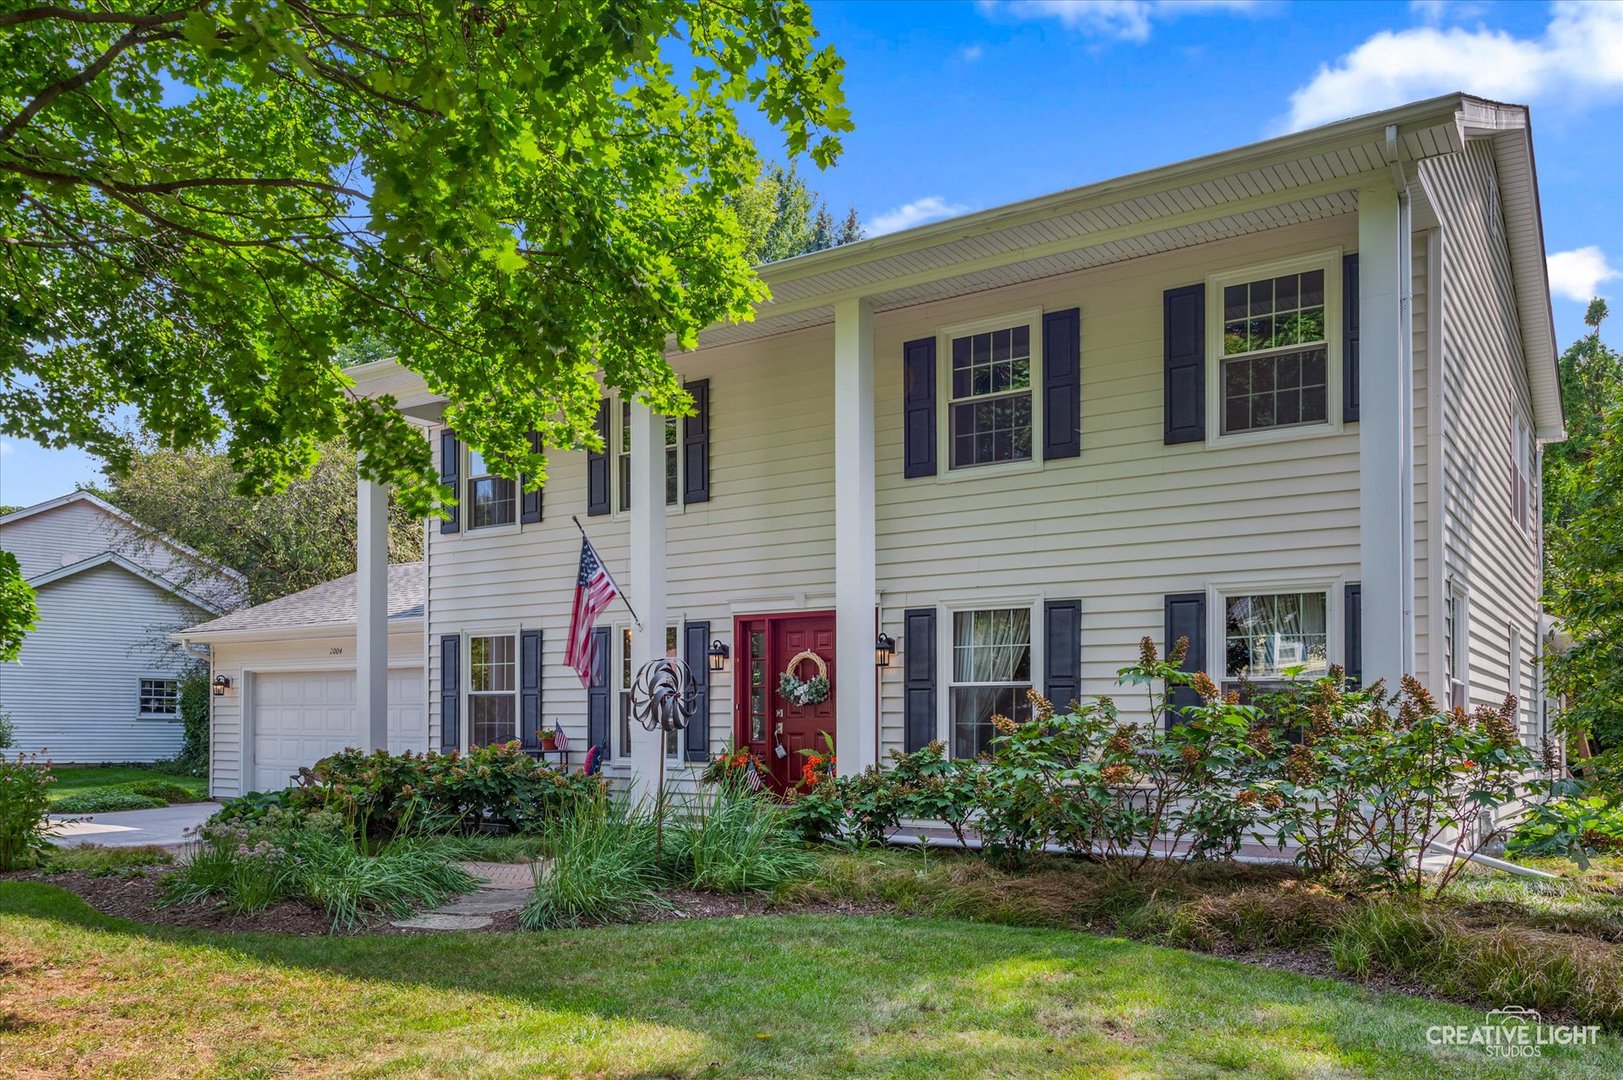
(918, 678)
(1353, 605)
(1062, 384)
(1186, 618)
(597, 694)
(1062, 652)
(597, 466)
(1349, 339)
(1185, 339)
(529, 689)
(696, 445)
(696, 651)
(450, 475)
(530, 501)
(918, 408)
(450, 692)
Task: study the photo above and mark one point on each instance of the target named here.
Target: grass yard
(772, 996)
(76, 779)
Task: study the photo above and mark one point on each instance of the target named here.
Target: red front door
(776, 729)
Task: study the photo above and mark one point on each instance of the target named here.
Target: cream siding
(73, 694)
(1485, 383)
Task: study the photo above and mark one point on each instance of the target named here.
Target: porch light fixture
(222, 683)
(719, 654)
(883, 650)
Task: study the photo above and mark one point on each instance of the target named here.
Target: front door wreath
(811, 692)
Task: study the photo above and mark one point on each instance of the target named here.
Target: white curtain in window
(1268, 633)
(989, 647)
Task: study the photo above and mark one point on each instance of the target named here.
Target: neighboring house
(97, 679)
(1286, 401)
(290, 663)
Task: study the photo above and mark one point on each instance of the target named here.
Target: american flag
(752, 776)
(594, 590)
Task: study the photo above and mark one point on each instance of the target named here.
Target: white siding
(74, 692)
(237, 660)
(1485, 383)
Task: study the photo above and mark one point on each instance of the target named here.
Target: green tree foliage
(1583, 494)
(18, 609)
(204, 205)
(282, 542)
(779, 219)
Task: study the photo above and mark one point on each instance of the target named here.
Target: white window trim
(1523, 452)
(616, 430)
(943, 663)
(468, 477)
(619, 763)
(946, 474)
(1460, 660)
(1515, 660)
(1328, 260)
(466, 692)
(1217, 594)
(142, 714)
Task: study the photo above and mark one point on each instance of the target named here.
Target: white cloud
(917, 212)
(1579, 54)
(6, 447)
(970, 53)
(1578, 274)
(1129, 20)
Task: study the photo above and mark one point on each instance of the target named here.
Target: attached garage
(290, 666)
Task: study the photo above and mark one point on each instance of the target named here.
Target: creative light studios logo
(1512, 1032)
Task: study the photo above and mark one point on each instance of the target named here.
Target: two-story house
(1286, 401)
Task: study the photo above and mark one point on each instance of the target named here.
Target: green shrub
(166, 790)
(7, 731)
(734, 841)
(252, 807)
(1576, 826)
(102, 861)
(106, 800)
(24, 810)
(288, 855)
(602, 866)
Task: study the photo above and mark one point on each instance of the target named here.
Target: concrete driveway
(165, 827)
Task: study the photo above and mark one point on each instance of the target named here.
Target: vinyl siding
(237, 659)
(74, 692)
(1126, 523)
(1485, 383)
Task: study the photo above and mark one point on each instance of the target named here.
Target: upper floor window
(160, 698)
(492, 499)
(1275, 358)
(1264, 634)
(492, 690)
(622, 461)
(1523, 455)
(989, 413)
(991, 672)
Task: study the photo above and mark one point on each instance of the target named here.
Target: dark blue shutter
(1062, 652)
(450, 475)
(696, 651)
(918, 678)
(597, 466)
(529, 689)
(1185, 340)
(1186, 618)
(450, 692)
(1062, 384)
(918, 408)
(597, 693)
(1349, 339)
(1353, 607)
(530, 501)
(696, 445)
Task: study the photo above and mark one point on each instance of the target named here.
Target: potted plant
(549, 739)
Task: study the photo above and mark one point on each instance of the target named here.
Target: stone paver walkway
(505, 887)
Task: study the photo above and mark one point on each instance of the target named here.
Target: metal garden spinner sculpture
(663, 697)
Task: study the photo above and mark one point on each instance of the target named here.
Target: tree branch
(84, 77)
(74, 15)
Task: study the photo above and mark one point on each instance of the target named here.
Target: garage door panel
(300, 717)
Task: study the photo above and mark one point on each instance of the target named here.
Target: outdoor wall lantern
(222, 683)
(883, 650)
(718, 655)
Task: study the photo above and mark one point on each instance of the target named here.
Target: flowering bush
(23, 810)
(730, 767)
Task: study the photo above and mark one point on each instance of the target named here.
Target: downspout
(1394, 154)
(1538, 622)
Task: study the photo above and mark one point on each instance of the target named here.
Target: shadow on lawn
(871, 995)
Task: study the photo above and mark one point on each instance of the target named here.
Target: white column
(855, 576)
(372, 614)
(1380, 433)
(647, 574)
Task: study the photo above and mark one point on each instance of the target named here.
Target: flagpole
(622, 592)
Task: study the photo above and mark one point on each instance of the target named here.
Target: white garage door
(302, 716)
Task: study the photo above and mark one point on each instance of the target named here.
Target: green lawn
(779, 996)
(72, 779)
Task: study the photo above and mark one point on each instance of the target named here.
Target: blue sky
(963, 106)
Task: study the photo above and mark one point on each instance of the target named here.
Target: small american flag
(752, 776)
(595, 590)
